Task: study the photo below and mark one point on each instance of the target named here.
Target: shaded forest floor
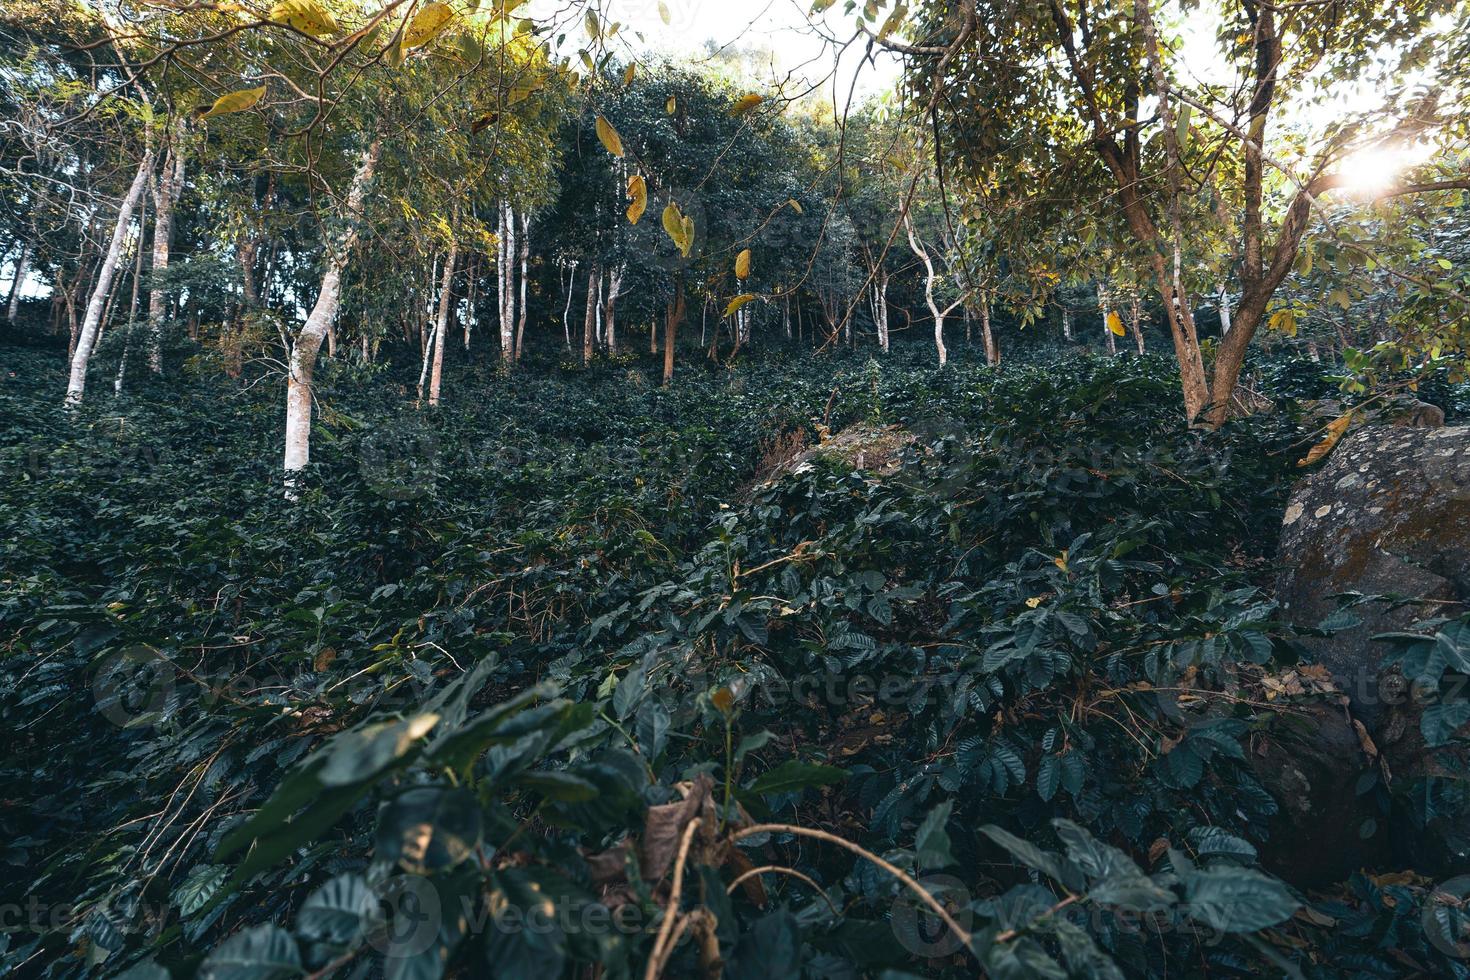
(974, 639)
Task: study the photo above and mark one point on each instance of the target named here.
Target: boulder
(1387, 514)
(1310, 760)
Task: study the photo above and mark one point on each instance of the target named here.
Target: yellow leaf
(426, 25)
(638, 191)
(745, 104)
(630, 74)
(738, 302)
(671, 105)
(679, 228)
(663, 12)
(234, 102)
(609, 137)
(1283, 321)
(1115, 324)
(1335, 431)
(1061, 561)
(795, 205)
(1033, 603)
(307, 16)
(723, 699)
(742, 265)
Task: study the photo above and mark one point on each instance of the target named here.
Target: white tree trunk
(614, 289)
(589, 319)
(166, 194)
(883, 309)
(601, 303)
(122, 362)
(507, 253)
(1224, 310)
(929, 291)
(441, 328)
(525, 277)
(92, 322)
(1066, 323)
(22, 266)
(566, 317)
(308, 341)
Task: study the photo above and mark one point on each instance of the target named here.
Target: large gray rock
(1387, 514)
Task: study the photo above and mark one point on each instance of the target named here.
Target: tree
(1104, 66)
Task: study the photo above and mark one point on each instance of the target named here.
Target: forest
(605, 489)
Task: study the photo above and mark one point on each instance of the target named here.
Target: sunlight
(1374, 170)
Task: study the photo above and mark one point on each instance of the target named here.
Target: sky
(792, 40)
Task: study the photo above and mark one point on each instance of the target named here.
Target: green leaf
(360, 754)
(428, 829)
(1442, 719)
(653, 729)
(931, 843)
(264, 953)
(1238, 899)
(794, 774)
(195, 891)
(340, 912)
(1214, 842)
(1052, 865)
(1048, 777)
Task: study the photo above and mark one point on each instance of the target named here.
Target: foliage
(496, 650)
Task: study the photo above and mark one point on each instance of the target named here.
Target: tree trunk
(507, 254)
(601, 289)
(525, 277)
(122, 362)
(992, 352)
(566, 317)
(472, 296)
(304, 349)
(166, 193)
(929, 291)
(1066, 324)
(672, 318)
(1136, 323)
(441, 329)
(589, 319)
(22, 266)
(614, 287)
(1224, 310)
(92, 322)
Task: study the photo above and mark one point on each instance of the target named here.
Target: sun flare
(1375, 170)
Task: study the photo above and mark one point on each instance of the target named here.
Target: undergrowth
(558, 648)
